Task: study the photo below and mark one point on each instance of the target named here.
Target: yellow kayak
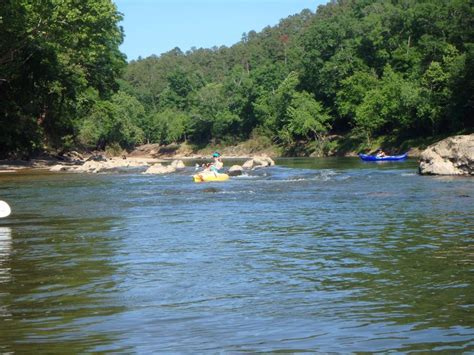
(210, 177)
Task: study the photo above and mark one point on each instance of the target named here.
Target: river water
(324, 255)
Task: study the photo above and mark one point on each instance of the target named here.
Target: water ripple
(311, 256)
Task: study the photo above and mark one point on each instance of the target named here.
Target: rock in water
(178, 164)
(451, 156)
(263, 161)
(248, 164)
(258, 162)
(5, 209)
(235, 170)
(160, 169)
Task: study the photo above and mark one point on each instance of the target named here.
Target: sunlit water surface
(326, 255)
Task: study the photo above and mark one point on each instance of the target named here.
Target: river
(323, 255)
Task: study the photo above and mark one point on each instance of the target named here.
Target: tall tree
(52, 52)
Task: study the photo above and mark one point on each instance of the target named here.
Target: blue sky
(157, 26)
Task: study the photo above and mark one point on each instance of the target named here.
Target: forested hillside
(362, 68)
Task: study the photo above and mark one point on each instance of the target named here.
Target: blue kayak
(366, 157)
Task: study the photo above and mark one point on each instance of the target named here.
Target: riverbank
(150, 154)
(144, 155)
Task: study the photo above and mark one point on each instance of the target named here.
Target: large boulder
(248, 164)
(263, 161)
(235, 170)
(178, 164)
(258, 162)
(160, 169)
(451, 156)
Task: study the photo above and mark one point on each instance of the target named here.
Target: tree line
(363, 68)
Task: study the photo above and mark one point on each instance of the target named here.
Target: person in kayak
(214, 167)
(380, 153)
(217, 164)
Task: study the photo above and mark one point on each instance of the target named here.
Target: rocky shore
(451, 156)
(93, 163)
(97, 164)
(146, 159)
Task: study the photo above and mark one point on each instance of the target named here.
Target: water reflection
(5, 251)
(5, 274)
(57, 277)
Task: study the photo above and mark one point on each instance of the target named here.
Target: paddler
(217, 164)
(380, 153)
(214, 167)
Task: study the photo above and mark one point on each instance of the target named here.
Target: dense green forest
(59, 60)
(358, 68)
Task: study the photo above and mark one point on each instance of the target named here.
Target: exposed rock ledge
(104, 164)
(254, 163)
(451, 156)
(100, 163)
